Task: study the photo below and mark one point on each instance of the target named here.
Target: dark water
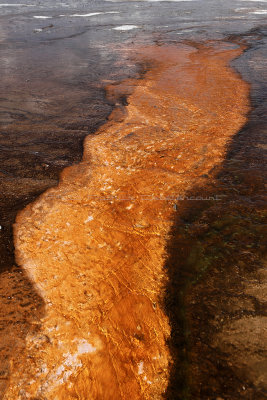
(215, 251)
(53, 72)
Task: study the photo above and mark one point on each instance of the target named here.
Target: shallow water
(56, 59)
(100, 236)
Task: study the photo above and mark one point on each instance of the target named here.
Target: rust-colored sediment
(95, 245)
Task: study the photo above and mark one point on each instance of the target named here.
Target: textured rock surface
(95, 246)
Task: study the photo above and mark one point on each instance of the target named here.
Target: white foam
(72, 360)
(125, 27)
(141, 368)
(95, 13)
(84, 347)
(230, 18)
(16, 5)
(60, 369)
(90, 218)
(86, 15)
(259, 12)
(41, 17)
(241, 9)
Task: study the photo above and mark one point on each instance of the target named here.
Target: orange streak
(95, 245)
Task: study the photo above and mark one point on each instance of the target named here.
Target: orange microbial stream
(94, 247)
